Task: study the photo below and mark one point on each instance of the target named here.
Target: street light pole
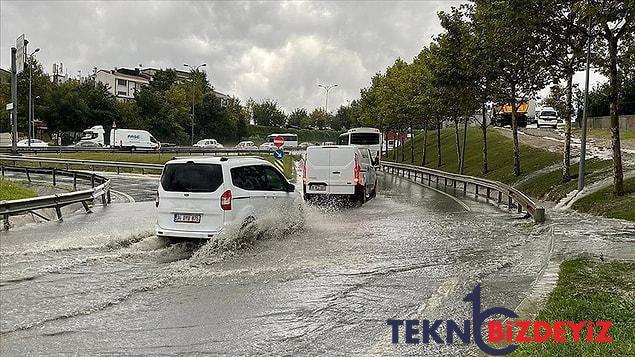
(327, 88)
(194, 69)
(30, 114)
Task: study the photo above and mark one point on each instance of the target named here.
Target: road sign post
(14, 100)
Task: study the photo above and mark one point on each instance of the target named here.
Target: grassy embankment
(546, 185)
(10, 190)
(590, 290)
(148, 158)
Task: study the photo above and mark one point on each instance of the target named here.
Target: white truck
(339, 171)
(93, 135)
(133, 139)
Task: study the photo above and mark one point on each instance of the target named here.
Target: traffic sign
(20, 55)
(278, 141)
(278, 154)
(9, 106)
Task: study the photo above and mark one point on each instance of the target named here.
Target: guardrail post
(500, 197)
(58, 211)
(519, 207)
(54, 178)
(103, 199)
(2, 168)
(74, 180)
(488, 192)
(476, 190)
(118, 170)
(6, 223)
(539, 215)
(464, 187)
(66, 166)
(85, 204)
(92, 180)
(509, 200)
(143, 171)
(26, 171)
(108, 196)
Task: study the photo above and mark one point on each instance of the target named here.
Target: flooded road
(102, 284)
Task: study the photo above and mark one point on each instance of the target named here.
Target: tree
(521, 57)
(557, 99)
(298, 117)
(343, 119)
(237, 116)
(267, 113)
(614, 23)
(566, 36)
(319, 118)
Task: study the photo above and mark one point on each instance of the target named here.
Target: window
(364, 138)
(258, 178)
(342, 140)
(366, 157)
(121, 92)
(191, 177)
(122, 82)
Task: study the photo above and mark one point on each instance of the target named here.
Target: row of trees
(505, 52)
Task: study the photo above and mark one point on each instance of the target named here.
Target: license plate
(187, 218)
(317, 187)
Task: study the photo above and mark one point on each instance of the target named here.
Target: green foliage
(298, 118)
(590, 290)
(267, 113)
(10, 190)
(606, 204)
(319, 119)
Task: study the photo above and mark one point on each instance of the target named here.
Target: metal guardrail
(100, 187)
(175, 150)
(491, 190)
(89, 163)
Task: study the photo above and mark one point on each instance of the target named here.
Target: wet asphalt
(103, 284)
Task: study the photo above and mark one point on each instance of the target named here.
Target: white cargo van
(339, 170)
(133, 139)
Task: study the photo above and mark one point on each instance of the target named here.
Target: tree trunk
(439, 143)
(464, 145)
(457, 142)
(618, 174)
(412, 145)
(484, 169)
(425, 143)
(566, 160)
(515, 135)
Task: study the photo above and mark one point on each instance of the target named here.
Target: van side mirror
(289, 187)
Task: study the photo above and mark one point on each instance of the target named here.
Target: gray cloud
(276, 50)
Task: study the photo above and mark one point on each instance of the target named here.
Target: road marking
(127, 196)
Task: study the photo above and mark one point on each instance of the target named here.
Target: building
(5, 76)
(123, 83)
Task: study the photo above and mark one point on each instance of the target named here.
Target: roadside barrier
(100, 188)
(492, 191)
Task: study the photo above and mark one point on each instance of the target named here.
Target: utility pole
(194, 69)
(585, 111)
(30, 116)
(14, 101)
(327, 88)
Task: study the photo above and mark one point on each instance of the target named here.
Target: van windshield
(191, 177)
(364, 138)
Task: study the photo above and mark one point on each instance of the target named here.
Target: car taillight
(357, 172)
(156, 199)
(304, 174)
(226, 201)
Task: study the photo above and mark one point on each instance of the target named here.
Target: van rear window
(192, 177)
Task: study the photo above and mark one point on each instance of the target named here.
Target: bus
(290, 140)
(370, 138)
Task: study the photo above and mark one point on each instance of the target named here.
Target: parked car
(34, 143)
(199, 197)
(345, 171)
(268, 146)
(86, 144)
(246, 145)
(209, 144)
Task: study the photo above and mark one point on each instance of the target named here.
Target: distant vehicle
(305, 145)
(133, 139)
(209, 144)
(339, 171)
(93, 135)
(86, 144)
(547, 116)
(327, 143)
(267, 146)
(370, 138)
(246, 145)
(290, 140)
(525, 113)
(34, 143)
(199, 197)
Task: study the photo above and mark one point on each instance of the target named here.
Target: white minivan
(340, 171)
(199, 197)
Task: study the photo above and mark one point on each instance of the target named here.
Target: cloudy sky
(277, 50)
